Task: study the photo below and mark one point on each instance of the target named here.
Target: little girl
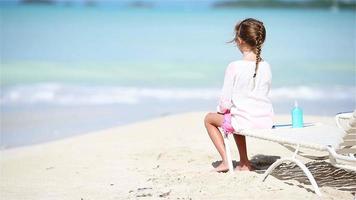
(244, 102)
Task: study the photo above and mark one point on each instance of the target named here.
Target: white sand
(171, 156)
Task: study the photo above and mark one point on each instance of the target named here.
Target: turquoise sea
(66, 70)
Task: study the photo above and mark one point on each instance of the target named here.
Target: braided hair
(259, 43)
(253, 33)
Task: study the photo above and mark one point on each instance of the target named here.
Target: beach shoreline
(28, 124)
(169, 156)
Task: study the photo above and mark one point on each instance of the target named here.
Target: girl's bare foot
(244, 168)
(223, 167)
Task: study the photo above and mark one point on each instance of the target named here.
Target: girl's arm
(225, 101)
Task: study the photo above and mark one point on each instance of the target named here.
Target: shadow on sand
(325, 174)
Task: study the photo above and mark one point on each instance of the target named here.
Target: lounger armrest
(338, 156)
(345, 116)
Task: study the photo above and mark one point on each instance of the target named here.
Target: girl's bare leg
(245, 165)
(212, 121)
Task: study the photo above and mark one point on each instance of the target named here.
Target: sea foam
(62, 94)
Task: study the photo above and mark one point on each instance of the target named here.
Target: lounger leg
(228, 152)
(300, 164)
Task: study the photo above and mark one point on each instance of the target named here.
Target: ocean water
(113, 65)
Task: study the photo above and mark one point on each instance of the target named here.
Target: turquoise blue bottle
(297, 116)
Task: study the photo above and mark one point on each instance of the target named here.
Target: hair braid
(259, 41)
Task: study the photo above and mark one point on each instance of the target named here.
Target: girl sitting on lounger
(244, 101)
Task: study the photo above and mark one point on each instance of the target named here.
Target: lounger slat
(348, 143)
(349, 137)
(352, 124)
(346, 150)
(351, 131)
(352, 121)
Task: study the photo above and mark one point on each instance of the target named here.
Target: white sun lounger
(339, 141)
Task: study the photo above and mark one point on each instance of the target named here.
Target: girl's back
(251, 104)
(244, 85)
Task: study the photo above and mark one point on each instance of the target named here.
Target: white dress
(248, 102)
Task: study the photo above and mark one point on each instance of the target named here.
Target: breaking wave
(61, 94)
